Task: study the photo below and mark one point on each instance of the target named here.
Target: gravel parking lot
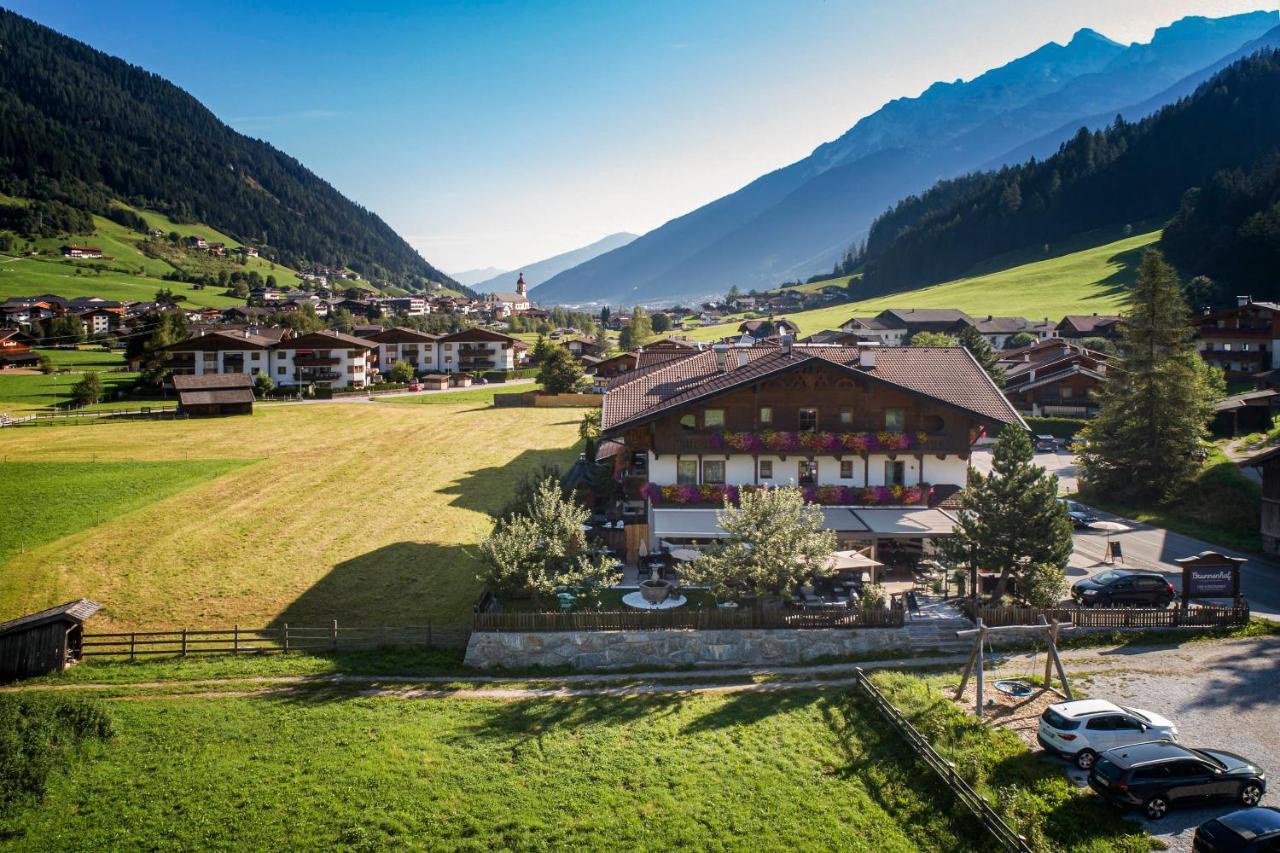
(1220, 694)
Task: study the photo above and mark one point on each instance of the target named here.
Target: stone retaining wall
(621, 649)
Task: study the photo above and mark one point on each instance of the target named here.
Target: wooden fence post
(428, 633)
(184, 642)
(286, 636)
(235, 641)
(132, 638)
(333, 634)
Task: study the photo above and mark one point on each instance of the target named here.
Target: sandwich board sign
(1210, 575)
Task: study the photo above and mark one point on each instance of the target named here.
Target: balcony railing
(773, 443)
(315, 361)
(316, 375)
(1244, 332)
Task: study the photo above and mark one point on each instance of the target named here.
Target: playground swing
(1013, 687)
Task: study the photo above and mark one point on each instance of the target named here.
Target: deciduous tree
(561, 373)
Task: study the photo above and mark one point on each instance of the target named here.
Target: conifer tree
(1153, 412)
(1010, 519)
(985, 354)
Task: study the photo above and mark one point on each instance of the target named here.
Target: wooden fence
(77, 418)
(1113, 617)
(286, 638)
(685, 620)
(944, 769)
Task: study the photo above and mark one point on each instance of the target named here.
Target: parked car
(1046, 444)
(1255, 830)
(1083, 729)
(1123, 587)
(1079, 514)
(1159, 775)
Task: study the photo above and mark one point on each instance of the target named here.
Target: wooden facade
(43, 642)
(1269, 465)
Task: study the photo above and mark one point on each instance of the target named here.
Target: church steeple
(520, 285)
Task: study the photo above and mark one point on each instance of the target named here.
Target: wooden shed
(43, 642)
(215, 394)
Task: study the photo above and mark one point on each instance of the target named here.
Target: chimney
(722, 352)
(867, 356)
(786, 345)
(742, 358)
(1242, 301)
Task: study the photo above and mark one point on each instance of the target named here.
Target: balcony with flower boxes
(920, 494)
(781, 443)
(312, 360)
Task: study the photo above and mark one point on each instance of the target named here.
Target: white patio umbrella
(840, 560)
(685, 554)
(1110, 528)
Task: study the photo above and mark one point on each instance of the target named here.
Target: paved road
(1153, 548)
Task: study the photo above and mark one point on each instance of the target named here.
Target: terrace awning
(686, 524)
(841, 519)
(907, 522)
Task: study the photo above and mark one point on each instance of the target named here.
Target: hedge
(1056, 427)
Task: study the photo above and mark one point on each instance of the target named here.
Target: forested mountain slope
(81, 127)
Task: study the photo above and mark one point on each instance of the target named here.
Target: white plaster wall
(740, 469)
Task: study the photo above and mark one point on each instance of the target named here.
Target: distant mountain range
(801, 219)
(469, 277)
(539, 271)
(80, 127)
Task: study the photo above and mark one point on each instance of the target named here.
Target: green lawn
(84, 358)
(368, 514)
(785, 770)
(27, 393)
(1092, 280)
(37, 276)
(51, 500)
(482, 395)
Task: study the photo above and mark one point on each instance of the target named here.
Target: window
(894, 420)
(894, 473)
(713, 472)
(766, 415)
(808, 420)
(688, 423)
(846, 469)
(846, 417)
(713, 418)
(808, 472)
(1102, 724)
(766, 469)
(687, 472)
(1066, 392)
(281, 370)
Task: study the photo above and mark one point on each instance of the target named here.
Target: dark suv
(1116, 587)
(1246, 831)
(1156, 775)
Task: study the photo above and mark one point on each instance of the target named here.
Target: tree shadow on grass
(488, 490)
(745, 708)
(402, 584)
(531, 719)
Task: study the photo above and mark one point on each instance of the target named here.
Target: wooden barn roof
(72, 611)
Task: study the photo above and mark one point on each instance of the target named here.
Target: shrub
(36, 735)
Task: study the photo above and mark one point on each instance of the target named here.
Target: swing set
(1012, 687)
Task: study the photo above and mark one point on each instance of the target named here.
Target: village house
(213, 394)
(100, 321)
(323, 359)
(878, 436)
(578, 346)
(1077, 326)
(1268, 465)
(760, 329)
(15, 350)
(81, 252)
(476, 350)
(1055, 378)
(874, 329)
(1242, 340)
(419, 349)
(998, 330)
(410, 306)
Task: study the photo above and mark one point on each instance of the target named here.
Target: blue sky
(499, 133)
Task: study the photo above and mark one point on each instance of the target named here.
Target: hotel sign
(1210, 575)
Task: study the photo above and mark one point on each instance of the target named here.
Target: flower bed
(823, 495)
(780, 441)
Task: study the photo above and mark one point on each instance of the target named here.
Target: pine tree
(1143, 443)
(985, 354)
(1011, 519)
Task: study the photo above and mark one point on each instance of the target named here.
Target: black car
(1123, 587)
(1254, 830)
(1157, 775)
(1079, 514)
(1046, 444)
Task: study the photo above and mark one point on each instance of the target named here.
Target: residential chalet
(1055, 378)
(878, 436)
(1242, 340)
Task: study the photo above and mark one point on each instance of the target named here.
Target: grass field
(1092, 280)
(793, 770)
(25, 393)
(361, 512)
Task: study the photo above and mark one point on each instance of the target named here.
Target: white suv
(1082, 729)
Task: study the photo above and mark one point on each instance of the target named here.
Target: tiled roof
(1001, 325)
(321, 340)
(925, 315)
(1087, 322)
(184, 382)
(401, 335)
(948, 374)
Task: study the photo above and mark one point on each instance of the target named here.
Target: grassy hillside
(317, 527)
(1091, 280)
